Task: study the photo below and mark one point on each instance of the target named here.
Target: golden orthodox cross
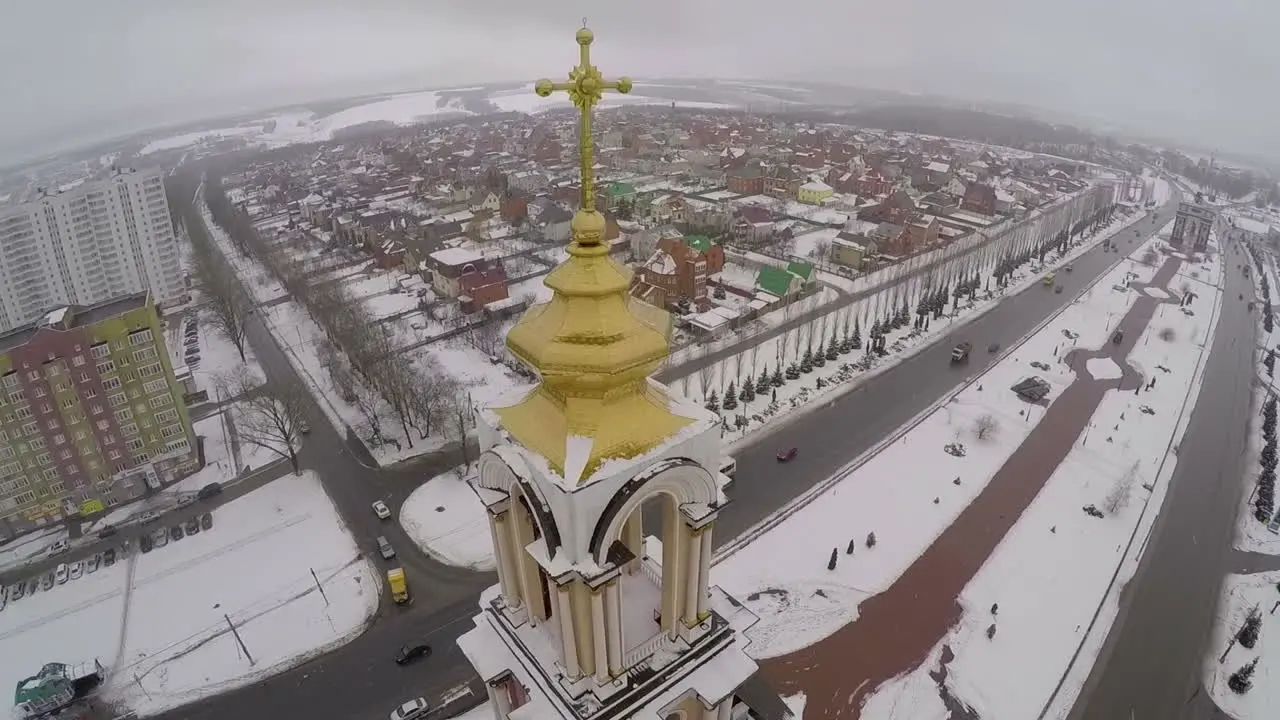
(585, 87)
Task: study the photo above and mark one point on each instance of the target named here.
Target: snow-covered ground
(446, 519)
(159, 620)
(1057, 576)
(793, 614)
(1241, 596)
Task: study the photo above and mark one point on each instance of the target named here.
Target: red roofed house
(979, 198)
(678, 270)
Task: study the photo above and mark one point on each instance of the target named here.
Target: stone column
(613, 619)
(633, 538)
(530, 588)
(692, 574)
(568, 638)
(673, 532)
(725, 711)
(508, 577)
(500, 699)
(599, 635)
(711, 713)
(704, 571)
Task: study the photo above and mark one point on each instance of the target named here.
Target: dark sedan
(411, 653)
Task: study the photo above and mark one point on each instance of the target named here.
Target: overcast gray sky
(73, 70)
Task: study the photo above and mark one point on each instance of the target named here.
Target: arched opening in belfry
(652, 585)
(535, 589)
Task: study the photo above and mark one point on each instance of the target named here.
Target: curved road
(360, 680)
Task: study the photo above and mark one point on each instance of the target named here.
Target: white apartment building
(87, 243)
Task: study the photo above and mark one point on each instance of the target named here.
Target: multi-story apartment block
(88, 243)
(90, 413)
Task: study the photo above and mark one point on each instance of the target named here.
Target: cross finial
(585, 87)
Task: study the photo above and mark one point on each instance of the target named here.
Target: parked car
(175, 532)
(384, 547)
(160, 538)
(109, 557)
(148, 517)
(146, 544)
(411, 710)
(206, 521)
(46, 582)
(106, 532)
(787, 454)
(94, 562)
(381, 510)
(17, 591)
(211, 490)
(186, 500)
(409, 653)
(59, 548)
(34, 584)
(193, 526)
(62, 573)
(77, 569)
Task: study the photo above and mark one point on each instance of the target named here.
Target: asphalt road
(1150, 665)
(360, 680)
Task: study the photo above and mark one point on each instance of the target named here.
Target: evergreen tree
(777, 380)
(748, 392)
(763, 384)
(1242, 680)
(1248, 635)
(793, 372)
(713, 402)
(730, 398)
(819, 356)
(833, 349)
(855, 340)
(871, 540)
(806, 362)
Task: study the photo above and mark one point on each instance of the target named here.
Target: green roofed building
(56, 686)
(802, 270)
(617, 192)
(701, 243)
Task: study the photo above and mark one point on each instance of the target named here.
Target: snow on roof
(938, 167)
(455, 256)
(816, 186)
(55, 316)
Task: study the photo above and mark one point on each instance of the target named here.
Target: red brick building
(979, 198)
(678, 270)
(746, 181)
(481, 287)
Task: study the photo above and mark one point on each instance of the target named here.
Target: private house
(783, 183)
(448, 266)
(873, 184)
(814, 192)
(482, 287)
(745, 181)
(784, 282)
(678, 270)
(979, 198)
(752, 226)
(851, 249)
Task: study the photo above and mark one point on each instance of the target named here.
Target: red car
(788, 454)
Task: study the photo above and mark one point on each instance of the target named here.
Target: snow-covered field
(792, 613)
(447, 521)
(1242, 595)
(159, 620)
(1057, 576)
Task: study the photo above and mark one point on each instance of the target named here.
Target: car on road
(175, 532)
(59, 548)
(148, 517)
(206, 521)
(1069, 268)
(77, 569)
(411, 710)
(106, 532)
(16, 592)
(213, 489)
(381, 510)
(193, 526)
(385, 549)
(409, 653)
(960, 352)
(787, 454)
(109, 557)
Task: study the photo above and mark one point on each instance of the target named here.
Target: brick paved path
(896, 630)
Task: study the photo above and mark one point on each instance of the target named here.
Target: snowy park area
(160, 621)
(1056, 577)
(985, 418)
(1244, 597)
(446, 519)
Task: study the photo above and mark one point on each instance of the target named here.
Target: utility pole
(236, 633)
(320, 587)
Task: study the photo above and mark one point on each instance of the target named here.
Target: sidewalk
(896, 629)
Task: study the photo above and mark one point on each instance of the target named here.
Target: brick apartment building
(91, 415)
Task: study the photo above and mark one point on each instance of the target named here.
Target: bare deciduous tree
(486, 336)
(267, 415)
(459, 418)
(985, 427)
(1119, 495)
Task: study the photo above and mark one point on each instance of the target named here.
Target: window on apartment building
(170, 431)
(84, 377)
(80, 435)
(100, 350)
(178, 445)
(111, 383)
(134, 444)
(10, 379)
(23, 412)
(57, 488)
(25, 498)
(161, 401)
(54, 368)
(124, 414)
(60, 439)
(44, 458)
(145, 354)
(40, 391)
(123, 360)
(96, 409)
(38, 444)
(6, 452)
(140, 337)
(52, 424)
(149, 370)
(108, 438)
(33, 375)
(115, 455)
(30, 428)
(167, 415)
(117, 399)
(155, 386)
(18, 396)
(67, 402)
(107, 366)
(46, 408)
(77, 360)
(128, 376)
(129, 429)
(64, 454)
(3, 435)
(103, 424)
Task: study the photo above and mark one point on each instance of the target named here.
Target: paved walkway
(896, 630)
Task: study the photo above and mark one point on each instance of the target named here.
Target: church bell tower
(602, 493)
